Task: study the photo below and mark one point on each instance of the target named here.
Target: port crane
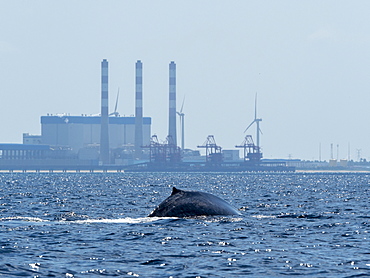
(251, 152)
(213, 151)
(166, 152)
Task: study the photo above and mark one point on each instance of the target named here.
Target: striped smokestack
(104, 137)
(139, 110)
(172, 103)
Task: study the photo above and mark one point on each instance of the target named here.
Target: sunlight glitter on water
(90, 225)
(263, 216)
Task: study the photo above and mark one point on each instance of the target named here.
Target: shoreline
(342, 171)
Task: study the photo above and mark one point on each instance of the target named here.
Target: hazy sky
(309, 62)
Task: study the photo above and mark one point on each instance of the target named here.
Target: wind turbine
(115, 113)
(257, 121)
(182, 124)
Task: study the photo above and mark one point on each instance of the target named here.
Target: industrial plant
(110, 142)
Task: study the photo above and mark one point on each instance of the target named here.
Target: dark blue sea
(96, 225)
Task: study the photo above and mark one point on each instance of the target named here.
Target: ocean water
(93, 225)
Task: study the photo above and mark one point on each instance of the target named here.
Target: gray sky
(309, 62)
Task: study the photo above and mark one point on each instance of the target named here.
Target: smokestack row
(104, 135)
(138, 109)
(172, 103)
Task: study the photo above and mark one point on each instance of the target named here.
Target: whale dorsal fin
(175, 191)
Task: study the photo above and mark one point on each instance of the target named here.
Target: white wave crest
(127, 220)
(22, 218)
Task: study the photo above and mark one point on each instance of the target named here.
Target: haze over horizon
(309, 63)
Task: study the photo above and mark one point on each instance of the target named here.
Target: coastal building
(77, 132)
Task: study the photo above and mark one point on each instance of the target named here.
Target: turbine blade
(115, 108)
(255, 107)
(182, 105)
(249, 126)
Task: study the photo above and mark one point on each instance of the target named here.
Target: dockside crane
(166, 152)
(213, 151)
(156, 150)
(252, 153)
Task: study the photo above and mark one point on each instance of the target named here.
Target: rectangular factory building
(78, 132)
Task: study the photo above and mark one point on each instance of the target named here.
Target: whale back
(183, 203)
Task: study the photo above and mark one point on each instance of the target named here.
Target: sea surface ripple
(96, 224)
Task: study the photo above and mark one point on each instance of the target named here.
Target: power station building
(77, 132)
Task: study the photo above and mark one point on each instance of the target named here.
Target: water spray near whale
(183, 203)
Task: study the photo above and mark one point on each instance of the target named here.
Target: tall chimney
(172, 103)
(139, 110)
(104, 135)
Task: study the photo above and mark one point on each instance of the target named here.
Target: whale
(182, 203)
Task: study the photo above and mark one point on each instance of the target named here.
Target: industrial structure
(172, 103)
(104, 126)
(251, 152)
(213, 151)
(167, 157)
(163, 153)
(77, 132)
(138, 109)
(109, 141)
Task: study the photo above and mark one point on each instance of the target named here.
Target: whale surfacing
(183, 203)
